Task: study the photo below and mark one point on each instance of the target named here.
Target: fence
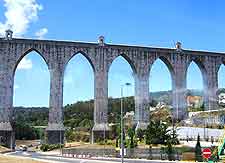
(158, 154)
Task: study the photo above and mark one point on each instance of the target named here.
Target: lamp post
(121, 109)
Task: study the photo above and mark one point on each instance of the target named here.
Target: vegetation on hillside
(25, 132)
(79, 116)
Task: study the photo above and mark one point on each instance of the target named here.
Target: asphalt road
(55, 159)
(58, 159)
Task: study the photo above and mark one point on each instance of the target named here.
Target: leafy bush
(50, 147)
(140, 134)
(101, 142)
(183, 149)
(132, 141)
(85, 138)
(72, 135)
(110, 142)
(25, 132)
(170, 152)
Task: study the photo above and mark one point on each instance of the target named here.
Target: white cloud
(41, 33)
(25, 64)
(19, 14)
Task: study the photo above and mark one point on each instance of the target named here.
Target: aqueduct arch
(166, 66)
(58, 53)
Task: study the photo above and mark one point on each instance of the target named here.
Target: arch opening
(120, 73)
(78, 95)
(82, 57)
(160, 84)
(221, 86)
(195, 78)
(31, 96)
(27, 54)
(221, 76)
(127, 60)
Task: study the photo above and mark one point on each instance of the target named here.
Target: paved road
(52, 159)
(58, 159)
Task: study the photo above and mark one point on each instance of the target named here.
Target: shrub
(50, 147)
(140, 134)
(25, 132)
(198, 151)
(110, 142)
(101, 142)
(170, 152)
(70, 135)
(85, 138)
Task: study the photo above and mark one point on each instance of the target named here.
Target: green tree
(25, 132)
(70, 135)
(131, 134)
(173, 137)
(198, 151)
(140, 133)
(156, 133)
(170, 151)
(171, 140)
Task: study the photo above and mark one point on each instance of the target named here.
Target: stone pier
(55, 129)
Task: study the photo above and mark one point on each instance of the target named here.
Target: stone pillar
(211, 87)
(100, 103)
(55, 129)
(7, 134)
(179, 88)
(142, 99)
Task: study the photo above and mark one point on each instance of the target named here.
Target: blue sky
(197, 24)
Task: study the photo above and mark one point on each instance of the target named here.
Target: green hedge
(50, 147)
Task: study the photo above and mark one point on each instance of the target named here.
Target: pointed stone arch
(221, 67)
(85, 60)
(127, 59)
(41, 59)
(27, 52)
(202, 69)
(168, 65)
(90, 61)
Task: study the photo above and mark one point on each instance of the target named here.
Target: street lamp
(121, 107)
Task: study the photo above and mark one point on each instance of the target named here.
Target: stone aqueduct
(100, 55)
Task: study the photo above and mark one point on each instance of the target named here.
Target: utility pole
(121, 116)
(122, 144)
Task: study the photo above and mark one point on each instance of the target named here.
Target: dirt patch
(4, 150)
(8, 159)
(86, 145)
(27, 142)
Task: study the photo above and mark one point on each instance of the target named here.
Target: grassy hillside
(81, 113)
